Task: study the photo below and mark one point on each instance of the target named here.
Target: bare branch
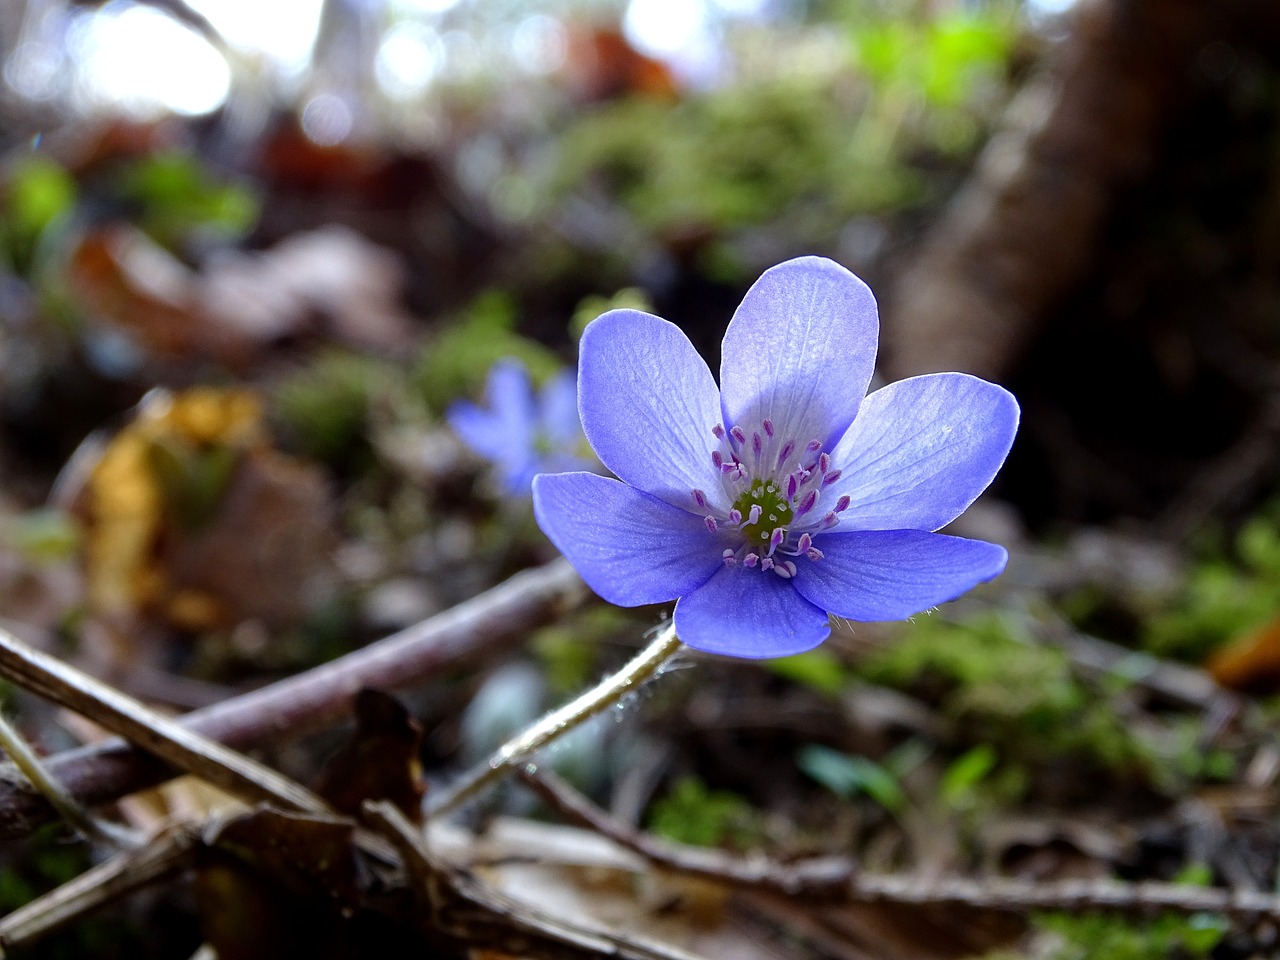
(68, 687)
(311, 700)
(838, 880)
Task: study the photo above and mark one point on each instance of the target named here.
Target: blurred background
(252, 252)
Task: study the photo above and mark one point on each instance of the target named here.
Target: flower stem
(554, 725)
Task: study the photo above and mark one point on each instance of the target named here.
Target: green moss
(1226, 594)
(692, 813)
(1026, 701)
(1091, 936)
(325, 406)
(457, 363)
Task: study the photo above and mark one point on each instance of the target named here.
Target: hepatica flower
(521, 432)
(786, 494)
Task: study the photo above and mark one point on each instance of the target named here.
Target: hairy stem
(556, 724)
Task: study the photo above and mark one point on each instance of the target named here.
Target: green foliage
(39, 195)
(325, 406)
(818, 669)
(1024, 700)
(1225, 595)
(457, 364)
(805, 140)
(628, 298)
(692, 813)
(43, 535)
(959, 786)
(568, 648)
(1090, 936)
(177, 198)
(847, 776)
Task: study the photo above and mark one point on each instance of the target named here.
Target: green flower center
(774, 512)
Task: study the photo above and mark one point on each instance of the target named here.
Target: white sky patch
(539, 44)
(409, 58)
(426, 6)
(1049, 8)
(665, 27)
(146, 62)
(677, 31)
(281, 30)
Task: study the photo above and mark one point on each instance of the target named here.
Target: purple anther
(830, 519)
(807, 503)
(842, 504)
(824, 463)
(756, 444)
(735, 517)
(699, 498)
(813, 446)
(718, 430)
(750, 560)
(813, 553)
(786, 569)
(717, 459)
(754, 515)
(712, 527)
(805, 542)
(831, 477)
(788, 448)
(729, 559)
(766, 563)
(775, 540)
(792, 486)
(739, 434)
(768, 427)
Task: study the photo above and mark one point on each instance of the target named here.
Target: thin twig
(595, 701)
(461, 906)
(80, 819)
(68, 687)
(839, 880)
(309, 701)
(164, 855)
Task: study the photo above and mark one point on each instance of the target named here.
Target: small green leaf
(846, 776)
(965, 773)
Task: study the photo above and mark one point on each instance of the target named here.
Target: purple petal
(648, 405)
(749, 613)
(629, 547)
(892, 574)
(503, 433)
(800, 350)
(558, 409)
(922, 450)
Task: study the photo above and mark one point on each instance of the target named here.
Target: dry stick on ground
(459, 905)
(166, 854)
(836, 880)
(311, 700)
(68, 687)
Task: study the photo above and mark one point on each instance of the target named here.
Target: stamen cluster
(774, 486)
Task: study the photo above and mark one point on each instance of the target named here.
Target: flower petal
(631, 548)
(503, 433)
(749, 613)
(558, 409)
(922, 450)
(648, 405)
(892, 574)
(800, 350)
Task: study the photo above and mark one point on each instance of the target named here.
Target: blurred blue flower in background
(522, 432)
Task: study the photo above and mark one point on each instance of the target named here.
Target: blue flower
(522, 434)
(784, 495)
